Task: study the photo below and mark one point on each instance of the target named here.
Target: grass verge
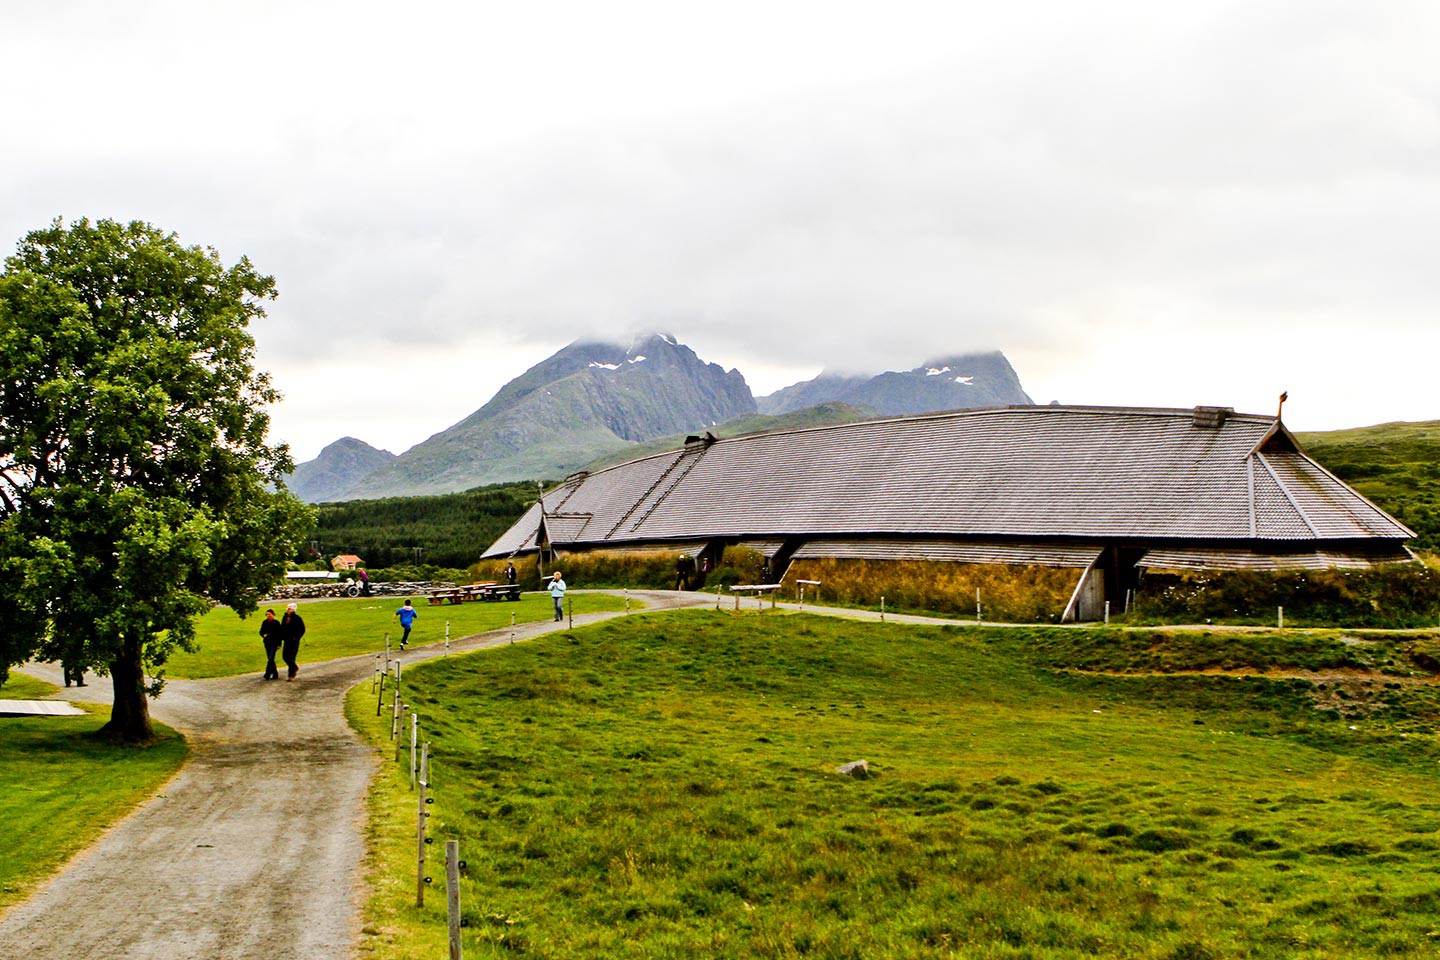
(665, 786)
(343, 628)
(60, 787)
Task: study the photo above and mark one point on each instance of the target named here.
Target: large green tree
(137, 483)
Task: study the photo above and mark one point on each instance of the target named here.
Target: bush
(1010, 592)
(613, 569)
(413, 572)
(1393, 595)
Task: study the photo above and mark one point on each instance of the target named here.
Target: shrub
(614, 569)
(1392, 595)
(1009, 592)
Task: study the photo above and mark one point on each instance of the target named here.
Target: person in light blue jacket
(557, 593)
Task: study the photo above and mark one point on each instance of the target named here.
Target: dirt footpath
(254, 849)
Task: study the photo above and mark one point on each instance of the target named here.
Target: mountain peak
(956, 382)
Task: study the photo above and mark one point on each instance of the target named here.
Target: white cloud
(1140, 203)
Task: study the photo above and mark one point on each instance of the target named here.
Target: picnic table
(475, 591)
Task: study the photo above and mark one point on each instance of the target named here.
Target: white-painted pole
(627, 600)
(882, 608)
(452, 895)
(420, 848)
(414, 745)
(977, 604)
(447, 638)
(1107, 613)
(1280, 617)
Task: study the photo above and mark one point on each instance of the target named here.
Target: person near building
(557, 593)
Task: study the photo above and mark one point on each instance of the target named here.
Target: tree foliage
(448, 530)
(136, 481)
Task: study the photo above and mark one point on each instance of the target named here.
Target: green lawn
(60, 787)
(342, 628)
(665, 786)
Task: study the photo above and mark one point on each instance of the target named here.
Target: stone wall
(315, 591)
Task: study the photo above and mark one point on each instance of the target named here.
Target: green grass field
(62, 788)
(665, 786)
(343, 628)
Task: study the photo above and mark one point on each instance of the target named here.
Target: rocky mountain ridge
(597, 402)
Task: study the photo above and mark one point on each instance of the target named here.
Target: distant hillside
(1396, 465)
(583, 402)
(450, 530)
(817, 416)
(951, 383)
(333, 474)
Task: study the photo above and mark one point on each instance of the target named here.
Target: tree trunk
(130, 715)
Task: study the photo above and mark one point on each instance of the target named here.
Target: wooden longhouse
(1109, 492)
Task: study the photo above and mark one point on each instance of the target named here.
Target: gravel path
(254, 849)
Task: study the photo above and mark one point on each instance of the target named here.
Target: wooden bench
(498, 591)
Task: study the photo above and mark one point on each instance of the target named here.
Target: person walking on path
(270, 636)
(557, 593)
(407, 615)
(292, 628)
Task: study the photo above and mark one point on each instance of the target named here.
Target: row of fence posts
(391, 670)
(1129, 596)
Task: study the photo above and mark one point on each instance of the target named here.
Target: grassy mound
(666, 786)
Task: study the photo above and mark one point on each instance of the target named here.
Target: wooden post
(737, 602)
(1107, 613)
(627, 599)
(447, 638)
(1280, 616)
(420, 849)
(977, 604)
(882, 608)
(569, 611)
(387, 651)
(1129, 598)
(801, 588)
(452, 894)
(414, 743)
(395, 706)
(380, 699)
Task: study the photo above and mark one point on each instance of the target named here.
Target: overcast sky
(1141, 203)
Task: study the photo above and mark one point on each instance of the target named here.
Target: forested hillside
(448, 530)
(1396, 465)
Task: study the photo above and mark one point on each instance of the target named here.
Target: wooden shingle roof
(1096, 473)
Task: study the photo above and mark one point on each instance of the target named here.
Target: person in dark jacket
(270, 636)
(292, 628)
